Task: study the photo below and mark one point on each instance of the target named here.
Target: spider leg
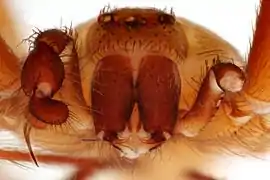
(85, 166)
(257, 89)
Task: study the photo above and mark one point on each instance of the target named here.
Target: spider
(130, 92)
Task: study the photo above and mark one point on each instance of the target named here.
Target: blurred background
(231, 19)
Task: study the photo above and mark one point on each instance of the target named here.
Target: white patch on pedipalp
(44, 89)
(231, 81)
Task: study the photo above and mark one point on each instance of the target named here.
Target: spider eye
(165, 18)
(105, 18)
(132, 22)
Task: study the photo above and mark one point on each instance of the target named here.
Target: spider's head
(129, 69)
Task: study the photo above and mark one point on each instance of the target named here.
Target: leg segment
(86, 167)
(222, 78)
(256, 88)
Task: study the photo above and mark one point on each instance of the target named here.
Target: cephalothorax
(129, 86)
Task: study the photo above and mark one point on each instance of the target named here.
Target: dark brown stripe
(158, 88)
(112, 94)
